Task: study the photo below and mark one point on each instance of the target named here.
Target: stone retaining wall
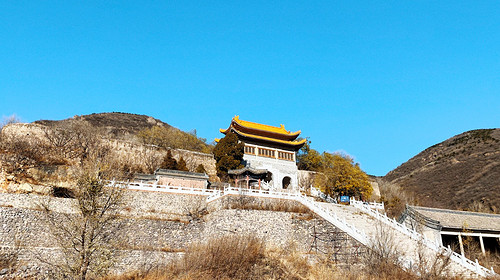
(157, 226)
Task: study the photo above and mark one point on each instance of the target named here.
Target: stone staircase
(414, 253)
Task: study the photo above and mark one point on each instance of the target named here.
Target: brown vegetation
(246, 257)
(473, 251)
(171, 137)
(61, 145)
(337, 175)
(394, 198)
(88, 236)
(456, 173)
(118, 125)
(251, 203)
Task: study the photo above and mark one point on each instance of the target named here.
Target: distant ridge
(117, 123)
(455, 173)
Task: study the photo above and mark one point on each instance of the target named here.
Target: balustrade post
(462, 252)
(482, 244)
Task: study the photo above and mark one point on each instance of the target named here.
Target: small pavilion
(248, 177)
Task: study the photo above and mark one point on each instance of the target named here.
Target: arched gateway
(269, 150)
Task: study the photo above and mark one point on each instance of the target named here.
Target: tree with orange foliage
(339, 175)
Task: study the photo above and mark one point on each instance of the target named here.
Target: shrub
(252, 203)
(63, 192)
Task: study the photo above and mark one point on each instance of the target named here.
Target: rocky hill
(117, 124)
(459, 173)
(136, 128)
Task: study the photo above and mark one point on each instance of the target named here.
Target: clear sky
(379, 80)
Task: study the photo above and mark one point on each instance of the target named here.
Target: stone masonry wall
(157, 227)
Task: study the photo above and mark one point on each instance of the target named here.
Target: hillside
(136, 128)
(43, 154)
(117, 124)
(457, 173)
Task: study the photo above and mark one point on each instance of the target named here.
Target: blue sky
(380, 80)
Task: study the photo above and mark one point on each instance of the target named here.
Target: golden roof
(264, 132)
(264, 127)
(292, 143)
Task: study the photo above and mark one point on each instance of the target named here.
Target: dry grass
(9, 258)
(246, 257)
(394, 198)
(252, 203)
(227, 257)
(473, 251)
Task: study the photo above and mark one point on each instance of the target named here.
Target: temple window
(249, 150)
(285, 156)
(267, 153)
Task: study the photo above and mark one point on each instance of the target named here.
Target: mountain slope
(456, 173)
(117, 124)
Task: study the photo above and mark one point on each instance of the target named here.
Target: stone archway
(269, 177)
(286, 182)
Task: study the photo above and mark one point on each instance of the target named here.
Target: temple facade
(268, 149)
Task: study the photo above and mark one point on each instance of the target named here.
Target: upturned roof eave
(249, 169)
(261, 129)
(291, 144)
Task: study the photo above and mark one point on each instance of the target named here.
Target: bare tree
(75, 139)
(58, 137)
(8, 120)
(196, 209)
(89, 140)
(87, 236)
(151, 159)
(383, 257)
(18, 154)
(432, 265)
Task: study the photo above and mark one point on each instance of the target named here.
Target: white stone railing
(323, 212)
(413, 234)
(212, 195)
(164, 188)
(332, 217)
(372, 205)
(318, 193)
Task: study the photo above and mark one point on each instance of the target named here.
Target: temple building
(270, 154)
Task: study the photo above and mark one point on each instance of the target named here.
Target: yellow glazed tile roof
(264, 127)
(293, 143)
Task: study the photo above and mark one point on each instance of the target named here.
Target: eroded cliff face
(34, 158)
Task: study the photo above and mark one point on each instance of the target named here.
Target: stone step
(403, 245)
